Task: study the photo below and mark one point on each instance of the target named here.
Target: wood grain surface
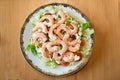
(105, 17)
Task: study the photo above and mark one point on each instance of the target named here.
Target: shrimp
(59, 60)
(40, 26)
(75, 46)
(57, 57)
(50, 46)
(49, 18)
(60, 29)
(62, 16)
(68, 56)
(40, 36)
(51, 32)
(65, 38)
(44, 52)
(74, 30)
(70, 39)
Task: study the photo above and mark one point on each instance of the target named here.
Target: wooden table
(105, 62)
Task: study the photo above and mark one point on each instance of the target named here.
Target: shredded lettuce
(91, 31)
(31, 48)
(72, 63)
(53, 63)
(40, 14)
(45, 61)
(84, 26)
(52, 7)
(48, 62)
(34, 22)
(28, 47)
(36, 19)
(39, 55)
(88, 32)
(67, 23)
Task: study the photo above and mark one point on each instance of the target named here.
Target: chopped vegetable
(52, 7)
(67, 22)
(49, 62)
(84, 25)
(53, 63)
(31, 48)
(91, 31)
(46, 10)
(41, 14)
(72, 63)
(88, 32)
(80, 24)
(39, 55)
(34, 22)
(45, 61)
(28, 47)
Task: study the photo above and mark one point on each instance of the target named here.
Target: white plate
(34, 61)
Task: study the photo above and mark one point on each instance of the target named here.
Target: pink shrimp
(40, 26)
(68, 57)
(65, 38)
(51, 46)
(51, 32)
(48, 17)
(62, 16)
(57, 57)
(75, 46)
(74, 30)
(40, 36)
(44, 52)
(59, 29)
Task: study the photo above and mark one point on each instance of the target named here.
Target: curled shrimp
(50, 46)
(74, 30)
(49, 18)
(60, 29)
(65, 38)
(41, 36)
(44, 52)
(40, 26)
(56, 56)
(68, 57)
(51, 32)
(62, 16)
(75, 46)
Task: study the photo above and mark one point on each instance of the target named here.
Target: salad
(59, 38)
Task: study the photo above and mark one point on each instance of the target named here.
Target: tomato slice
(83, 42)
(64, 63)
